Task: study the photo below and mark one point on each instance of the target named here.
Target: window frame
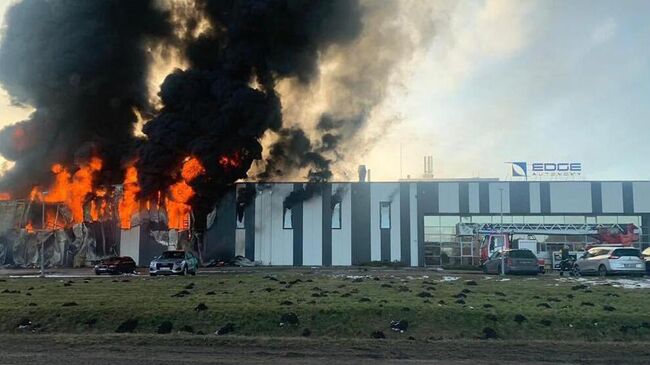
(340, 213)
(383, 204)
(284, 218)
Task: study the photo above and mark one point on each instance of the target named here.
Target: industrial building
(413, 222)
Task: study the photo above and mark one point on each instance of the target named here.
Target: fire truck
(495, 237)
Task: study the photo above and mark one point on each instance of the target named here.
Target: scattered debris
(399, 326)
(489, 333)
(24, 323)
(471, 283)
(403, 289)
(612, 295)
(7, 291)
(189, 286)
(587, 304)
(165, 327)
(520, 318)
(289, 319)
(357, 280)
(127, 326)
(609, 308)
(579, 287)
(386, 286)
(424, 294)
(181, 294)
(378, 335)
(449, 278)
(544, 305)
(228, 328)
(460, 301)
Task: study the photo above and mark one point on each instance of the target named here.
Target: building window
(336, 216)
(384, 215)
(239, 218)
(286, 219)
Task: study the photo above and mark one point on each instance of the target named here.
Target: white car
(611, 260)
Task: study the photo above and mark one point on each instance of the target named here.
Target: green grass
(103, 303)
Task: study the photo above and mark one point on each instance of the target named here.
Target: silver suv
(611, 260)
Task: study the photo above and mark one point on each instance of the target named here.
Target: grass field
(328, 303)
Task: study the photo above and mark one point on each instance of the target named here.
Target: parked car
(115, 265)
(646, 258)
(520, 261)
(174, 263)
(611, 260)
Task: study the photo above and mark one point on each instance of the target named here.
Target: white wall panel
(312, 228)
(474, 200)
(342, 238)
(130, 244)
(273, 244)
(612, 197)
(641, 194)
(570, 197)
(495, 195)
(535, 202)
(384, 192)
(448, 201)
(413, 207)
(240, 242)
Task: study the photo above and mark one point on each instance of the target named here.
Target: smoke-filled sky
(483, 82)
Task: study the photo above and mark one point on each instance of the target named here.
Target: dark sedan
(513, 261)
(115, 265)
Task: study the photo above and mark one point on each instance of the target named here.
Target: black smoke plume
(304, 192)
(82, 66)
(220, 107)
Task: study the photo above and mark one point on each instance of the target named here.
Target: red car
(115, 265)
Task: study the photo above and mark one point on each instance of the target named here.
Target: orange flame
(5, 196)
(180, 193)
(29, 228)
(73, 192)
(229, 161)
(129, 204)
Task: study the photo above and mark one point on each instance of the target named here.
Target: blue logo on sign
(519, 169)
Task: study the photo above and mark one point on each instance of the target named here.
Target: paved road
(187, 349)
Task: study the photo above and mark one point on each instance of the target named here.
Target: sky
(535, 81)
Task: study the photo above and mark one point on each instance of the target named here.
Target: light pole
(42, 229)
(503, 243)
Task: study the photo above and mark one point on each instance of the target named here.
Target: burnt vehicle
(115, 265)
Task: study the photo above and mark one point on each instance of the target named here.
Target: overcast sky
(519, 81)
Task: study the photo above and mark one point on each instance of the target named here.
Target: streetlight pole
(503, 243)
(42, 229)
